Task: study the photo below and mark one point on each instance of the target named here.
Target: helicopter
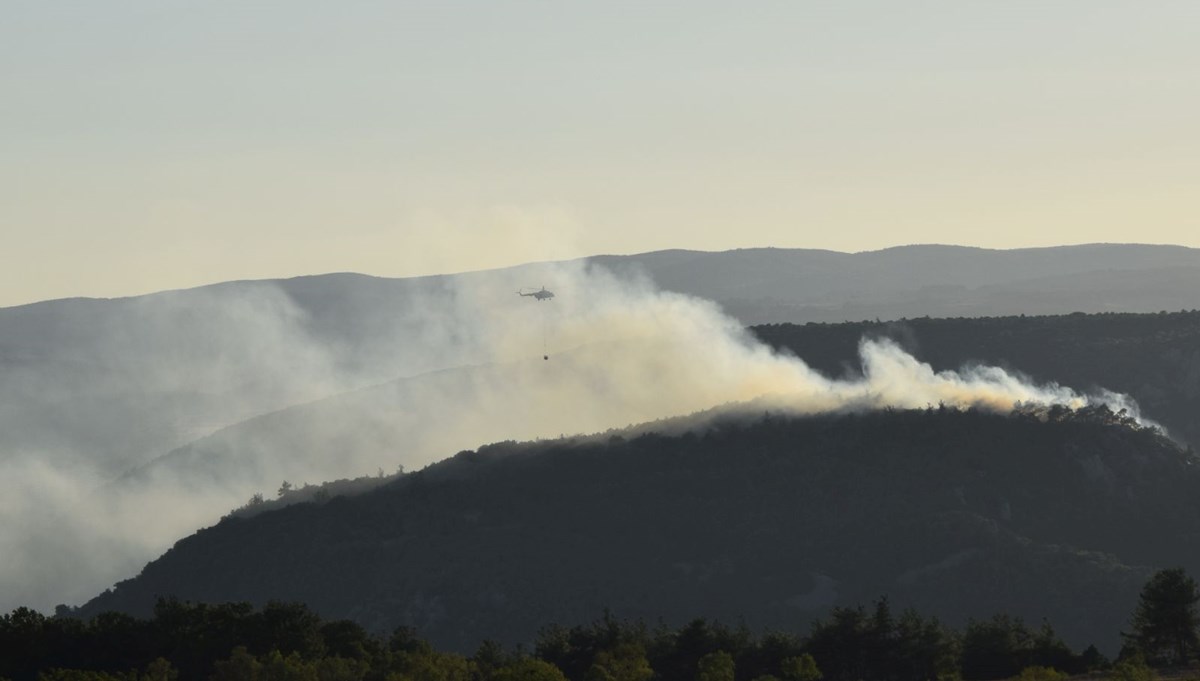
(541, 295)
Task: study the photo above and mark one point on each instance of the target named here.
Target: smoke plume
(305, 382)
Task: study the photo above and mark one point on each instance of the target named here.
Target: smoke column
(470, 360)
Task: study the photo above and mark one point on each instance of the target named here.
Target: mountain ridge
(745, 515)
(906, 249)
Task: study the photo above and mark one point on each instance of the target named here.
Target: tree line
(288, 642)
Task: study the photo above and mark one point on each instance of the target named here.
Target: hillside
(1154, 358)
(769, 520)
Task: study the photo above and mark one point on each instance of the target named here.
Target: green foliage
(343, 638)
(626, 662)
(1133, 668)
(606, 646)
(275, 666)
(341, 669)
(839, 644)
(716, 666)
(278, 667)
(802, 668)
(1165, 622)
(1003, 646)
(488, 658)
(1093, 660)
(159, 669)
(57, 674)
(241, 666)
(288, 642)
(1039, 673)
(527, 669)
(429, 665)
(850, 645)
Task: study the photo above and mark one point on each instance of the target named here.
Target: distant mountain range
(181, 364)
(770, 285)
(768, 520)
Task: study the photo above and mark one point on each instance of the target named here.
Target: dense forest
(765, 519)
(288, 642)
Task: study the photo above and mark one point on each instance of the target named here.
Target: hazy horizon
(518, 264)
(163, 145)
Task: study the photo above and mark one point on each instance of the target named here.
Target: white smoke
(619, 352)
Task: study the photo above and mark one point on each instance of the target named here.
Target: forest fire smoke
(619, 350)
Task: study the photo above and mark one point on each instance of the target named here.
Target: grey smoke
(454, 364)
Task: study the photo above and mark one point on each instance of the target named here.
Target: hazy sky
(156, 144)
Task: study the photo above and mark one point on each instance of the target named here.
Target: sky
(157, 144)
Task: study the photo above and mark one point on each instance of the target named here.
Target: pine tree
(1164, 624)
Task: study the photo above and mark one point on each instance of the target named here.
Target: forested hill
(1153, 357)
(768, 520)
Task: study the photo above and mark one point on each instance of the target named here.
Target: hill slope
(959, 513)
(1155, 358)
